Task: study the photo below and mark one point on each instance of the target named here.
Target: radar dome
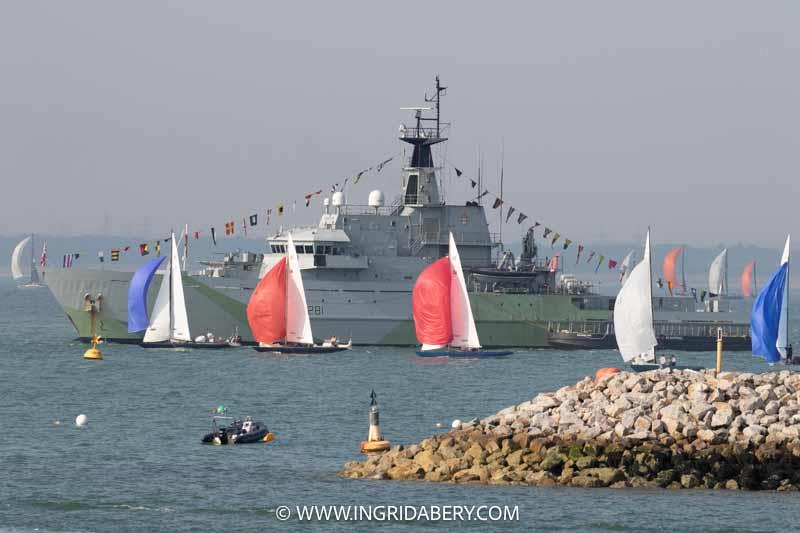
(376, 199)
(338, 199)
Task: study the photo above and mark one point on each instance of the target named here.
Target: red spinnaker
(670, 267)
(747, 279)
(266, 310)
(430, 302)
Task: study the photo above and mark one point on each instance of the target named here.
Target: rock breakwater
(683, 429)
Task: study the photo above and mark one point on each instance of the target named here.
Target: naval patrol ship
(359, 264)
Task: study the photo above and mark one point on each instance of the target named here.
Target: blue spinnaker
(137, 295)
(766, 316)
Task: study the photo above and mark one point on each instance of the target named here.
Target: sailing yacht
(169, 324)
(278, 314)
(748, 280)
(769, 320)
(718, 280)
(670, 267)
(633, 316)
(17, 270)
(443, 318)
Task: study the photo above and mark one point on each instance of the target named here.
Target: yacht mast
(171, 303)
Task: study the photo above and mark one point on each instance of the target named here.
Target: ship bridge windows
(312, 249)
(330, 249)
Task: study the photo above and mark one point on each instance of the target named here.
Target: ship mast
(437, 102)
(502, 160)
(421, 187)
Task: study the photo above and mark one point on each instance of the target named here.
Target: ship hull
(569, 341)
(368, 313)
(369, 317)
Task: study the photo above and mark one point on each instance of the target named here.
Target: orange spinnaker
(670, 267)
(430, 303)
(266, 310)
(747, 279)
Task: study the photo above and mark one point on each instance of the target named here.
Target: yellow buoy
(269, 437)
(93, 353)
(92, 306)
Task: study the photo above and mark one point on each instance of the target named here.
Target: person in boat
(662, 361)
(334, 341)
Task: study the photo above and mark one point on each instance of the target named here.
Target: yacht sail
(137, 295)
(748, 279)
(770, 315)
(16, 259)
(430, 302)
(159, 326)
(670, 268)
(298, 324)
(266, 309)
(633, 312)
(169, 320)
(783, 326)
(180, 319)
(718, 274)
(465, 334)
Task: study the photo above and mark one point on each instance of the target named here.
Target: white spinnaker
(298, 325)
(16, 259)
(783, 330)
(465, 335)
(180, 320)
(717, 274)
(633, 312)
(158, 329)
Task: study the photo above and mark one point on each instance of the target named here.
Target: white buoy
(81, 420)
(439, 425)
(456, 424)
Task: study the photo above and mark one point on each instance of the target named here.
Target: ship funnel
(376, 199)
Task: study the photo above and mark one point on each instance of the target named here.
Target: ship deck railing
(466, 238)
(355, 210)
(423, 132)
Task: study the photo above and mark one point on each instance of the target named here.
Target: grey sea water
(139, 466)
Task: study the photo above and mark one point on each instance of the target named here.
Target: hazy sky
(614, 115)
